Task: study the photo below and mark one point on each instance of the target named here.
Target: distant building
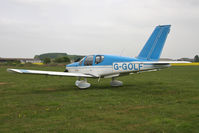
(22, 60)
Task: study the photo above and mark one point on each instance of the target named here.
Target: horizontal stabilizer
(159, 62)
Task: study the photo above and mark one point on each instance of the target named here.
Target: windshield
(80, 62)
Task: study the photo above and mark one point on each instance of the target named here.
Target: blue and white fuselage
(112, 66)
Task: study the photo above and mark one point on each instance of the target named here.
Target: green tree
(62, 59)
(196, 58)
(46, 60)
(50, 55)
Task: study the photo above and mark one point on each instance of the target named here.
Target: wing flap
(52, 73)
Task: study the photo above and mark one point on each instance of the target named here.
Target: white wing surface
(52, 73)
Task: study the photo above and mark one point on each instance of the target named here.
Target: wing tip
(13, 70)
(9, 70)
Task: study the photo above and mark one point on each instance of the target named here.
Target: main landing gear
(82, 84)
(116, 82)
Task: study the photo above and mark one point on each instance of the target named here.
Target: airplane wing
(52, 73)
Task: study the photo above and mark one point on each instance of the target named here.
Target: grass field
(166, 101)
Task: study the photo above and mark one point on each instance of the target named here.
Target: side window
(88, 61)
(98, 59)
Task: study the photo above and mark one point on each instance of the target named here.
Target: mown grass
(166, 101)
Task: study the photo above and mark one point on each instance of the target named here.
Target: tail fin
(153, 47)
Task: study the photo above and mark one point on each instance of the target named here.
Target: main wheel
(82, 84)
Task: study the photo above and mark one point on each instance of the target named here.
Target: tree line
(63, 59)
(57, 58)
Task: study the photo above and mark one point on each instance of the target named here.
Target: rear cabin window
(99, 59)
(88, 61)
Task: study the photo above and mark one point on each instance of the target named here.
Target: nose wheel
(82, 84)
(116, 83)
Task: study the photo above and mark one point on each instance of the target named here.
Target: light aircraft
(110, 66)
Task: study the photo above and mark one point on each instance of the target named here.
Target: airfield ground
(166, 101)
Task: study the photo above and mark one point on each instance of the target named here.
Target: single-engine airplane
(110, 66)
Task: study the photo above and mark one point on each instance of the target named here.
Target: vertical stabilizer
(153, 47)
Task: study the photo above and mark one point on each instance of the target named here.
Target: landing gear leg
(82, 84)
(116, 82)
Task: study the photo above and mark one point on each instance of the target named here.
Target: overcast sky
(119, 27)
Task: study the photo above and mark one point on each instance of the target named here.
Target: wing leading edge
(52, 73)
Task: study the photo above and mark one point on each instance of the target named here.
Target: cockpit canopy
(91, 60)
